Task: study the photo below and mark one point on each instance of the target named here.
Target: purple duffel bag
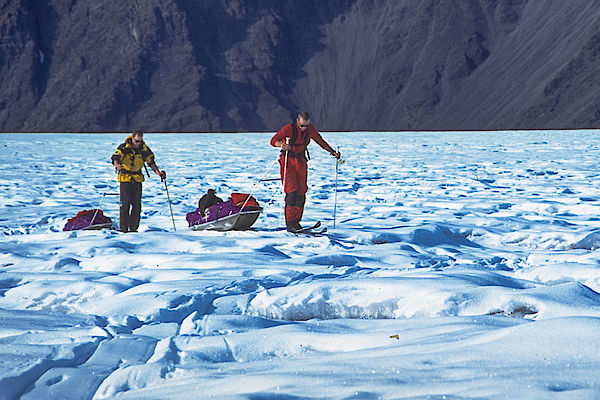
(83, 220)
(225, 209)
(212, 213)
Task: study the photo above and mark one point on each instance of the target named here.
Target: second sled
(239, 212)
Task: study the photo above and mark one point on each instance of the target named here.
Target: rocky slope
(232, 65)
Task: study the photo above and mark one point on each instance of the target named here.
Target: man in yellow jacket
(128, 159)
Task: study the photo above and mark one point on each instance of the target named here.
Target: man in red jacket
(293, 139)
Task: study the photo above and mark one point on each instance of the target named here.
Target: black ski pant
(131, 206)
(294, 208)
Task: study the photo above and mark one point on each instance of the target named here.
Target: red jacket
(287, 131)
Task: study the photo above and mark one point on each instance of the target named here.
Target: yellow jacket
(132, 160)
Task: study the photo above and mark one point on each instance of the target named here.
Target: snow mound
(431, 295)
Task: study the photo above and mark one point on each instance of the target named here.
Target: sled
(238, 213)
(83, 221)
(236, 222)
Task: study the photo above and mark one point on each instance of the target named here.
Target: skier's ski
(312, 230)
(308, 229)
(316, 232)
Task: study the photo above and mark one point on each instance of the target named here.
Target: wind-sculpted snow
(462, 265)
(421, 295)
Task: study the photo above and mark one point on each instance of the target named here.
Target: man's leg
(300, 200)
(125, 204)
(295, 188)
(302, 185)
(136, 206)
(293, 213)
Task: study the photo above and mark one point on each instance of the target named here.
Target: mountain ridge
(177, 66)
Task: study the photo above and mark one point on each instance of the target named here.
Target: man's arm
(117, 165)
(316, 136)
(279, 139)
(149, 159)
(158, 172)
(116, 159)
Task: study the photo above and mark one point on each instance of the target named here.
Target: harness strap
(300, 156)
(131, 172)
(305, 154)
(294, 133)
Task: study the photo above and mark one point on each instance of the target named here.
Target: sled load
(238, 212)
(88, 220)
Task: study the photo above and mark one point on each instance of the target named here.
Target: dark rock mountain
(234, 65)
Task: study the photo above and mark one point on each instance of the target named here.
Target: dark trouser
(131, 206)
(296, 174)
(294, 208)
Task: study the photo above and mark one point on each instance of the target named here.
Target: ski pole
(169, 199)
(260, 180)
(101, 200)
(337, 163)
(269, 179)
(287, 141)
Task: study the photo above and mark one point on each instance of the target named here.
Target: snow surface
(462, 265)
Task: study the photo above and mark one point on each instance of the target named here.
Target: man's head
(303, 120)
(137, 137)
